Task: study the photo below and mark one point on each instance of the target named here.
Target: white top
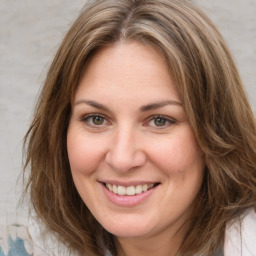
(240, 239)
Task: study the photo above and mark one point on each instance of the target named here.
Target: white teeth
(121, 191)
(110, 187)
(114, 189)
(144, 188)
(139, 189)
(129, 191)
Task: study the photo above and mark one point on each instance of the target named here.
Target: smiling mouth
(130, 190)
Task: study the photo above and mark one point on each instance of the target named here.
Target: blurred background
(30, 32)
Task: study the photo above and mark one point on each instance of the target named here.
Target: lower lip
(128, 200)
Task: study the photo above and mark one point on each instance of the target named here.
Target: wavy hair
(214, 100)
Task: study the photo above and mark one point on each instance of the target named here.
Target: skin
(116, 135)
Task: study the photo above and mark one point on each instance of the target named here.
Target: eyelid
(168, 119)
(84, 119)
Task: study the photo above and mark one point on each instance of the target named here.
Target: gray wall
(30, 32)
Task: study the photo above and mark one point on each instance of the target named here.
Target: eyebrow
(92, 103)
(143, 108)
(159, 104)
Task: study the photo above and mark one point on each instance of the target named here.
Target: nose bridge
(125, 152)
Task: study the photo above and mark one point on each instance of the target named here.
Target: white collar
(240, 237)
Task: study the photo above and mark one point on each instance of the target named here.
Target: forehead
(127, 68)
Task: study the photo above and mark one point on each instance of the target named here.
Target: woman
(143, 141)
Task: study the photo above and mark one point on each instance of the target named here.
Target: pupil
(98, 120)
(160, 121)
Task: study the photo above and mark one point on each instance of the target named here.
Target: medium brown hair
(213, 96)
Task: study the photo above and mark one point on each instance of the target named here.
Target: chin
(128, 229)
(128, 232)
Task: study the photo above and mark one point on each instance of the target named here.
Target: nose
(126, 152)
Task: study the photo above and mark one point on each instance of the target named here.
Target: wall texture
(30, 32)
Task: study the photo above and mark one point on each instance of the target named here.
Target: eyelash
(86, 119)
(168, 120)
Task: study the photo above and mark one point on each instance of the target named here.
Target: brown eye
(94, 120)
(98, 120)
(160, 121)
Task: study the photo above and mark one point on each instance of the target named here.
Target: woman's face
(133, 156)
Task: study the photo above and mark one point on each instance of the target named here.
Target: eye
(94, 120)
(160, 121)
(97, 120)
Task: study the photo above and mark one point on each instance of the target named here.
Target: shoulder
(27, 240)
(15, 240)
(240, 237)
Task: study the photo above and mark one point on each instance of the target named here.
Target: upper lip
(128, 183)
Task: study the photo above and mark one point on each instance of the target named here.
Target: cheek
(179, 153)
(83, 153)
